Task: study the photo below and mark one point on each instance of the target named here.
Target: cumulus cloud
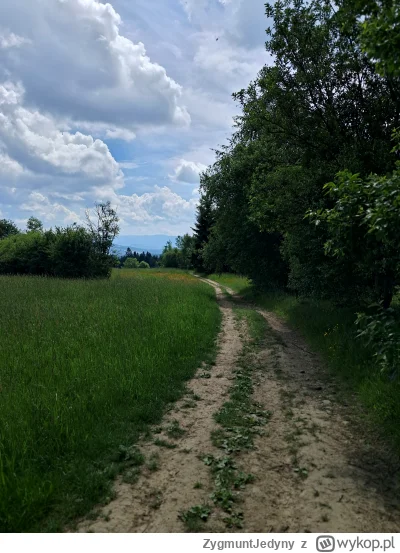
(161, 205)
(80, 66)
(32, 142)
(49, 211)
(188, 171)
(76, 79)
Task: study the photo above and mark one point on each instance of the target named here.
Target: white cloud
(79, 66)
(188, 171)
(160, 205)
(128, 165)
(224, 65)
(120, 134)
(192, 7)
(76, 76)
(32, 141)
(49, 212)
(9, 167)
(11, 40)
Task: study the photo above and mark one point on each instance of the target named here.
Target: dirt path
(313, 471)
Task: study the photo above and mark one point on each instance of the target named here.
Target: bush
(131, 263)
(144, 265)
(380, 332)
(69, 252)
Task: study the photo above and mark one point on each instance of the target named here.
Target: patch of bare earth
(316, 470)
(153, 503)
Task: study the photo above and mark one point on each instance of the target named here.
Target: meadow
(85, 368)
(331, 332)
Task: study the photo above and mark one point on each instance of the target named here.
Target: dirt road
(305, 464)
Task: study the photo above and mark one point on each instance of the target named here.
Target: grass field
(331, 331)
(85, 367)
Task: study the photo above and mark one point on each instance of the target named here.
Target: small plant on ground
(174, 430)
(164, 443)
(195, 517)
(153, 462)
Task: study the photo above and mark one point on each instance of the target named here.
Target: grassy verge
(237, 283)
(85, 367)
(330, 331)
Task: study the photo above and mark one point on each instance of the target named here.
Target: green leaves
(379, 331)
(380, 36)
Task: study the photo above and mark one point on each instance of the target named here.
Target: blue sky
(121, 101)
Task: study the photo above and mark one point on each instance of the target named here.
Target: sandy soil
(315, 468)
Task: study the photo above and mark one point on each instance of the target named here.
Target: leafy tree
(115, 261)
(34, 225)
(364, 226)
(319, 108)
(380, 36)
(104, 228)
(73, 254)
(185, 245)
(149, 258)
(7, 228)
(131, 263)
(64, 252)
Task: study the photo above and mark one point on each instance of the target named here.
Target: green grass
(237, 283)
(330, 331)
(85, 367)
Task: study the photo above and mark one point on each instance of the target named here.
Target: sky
(120, 101)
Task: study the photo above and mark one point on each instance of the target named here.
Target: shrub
(69, 252)
(131, 263)
(144, 265)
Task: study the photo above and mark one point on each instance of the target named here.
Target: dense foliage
(131, 259)
(323, 112)
(70, 252)
(321, 109)
(181, 256)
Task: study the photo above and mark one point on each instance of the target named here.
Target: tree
(7, 228)
(105, 226)
(185, 245)
(131, 263)
(34, 225)
(380, 36)
(319, 108)
(144, 265)
(202, 229)
(63, 252)
(364, 226)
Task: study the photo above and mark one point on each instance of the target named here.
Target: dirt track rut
(315, 470)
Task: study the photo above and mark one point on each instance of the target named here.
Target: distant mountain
(153, 243)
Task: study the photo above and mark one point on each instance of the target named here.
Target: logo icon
(325, 544)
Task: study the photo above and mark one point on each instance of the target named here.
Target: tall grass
(85, 367)
(330, 331)
(237, 283)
